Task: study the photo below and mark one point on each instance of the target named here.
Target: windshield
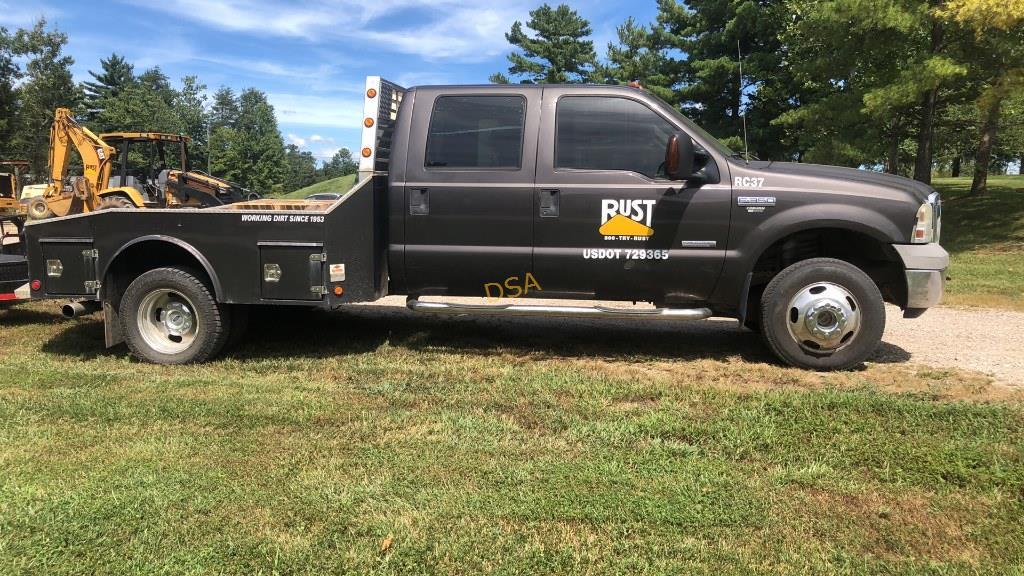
(695, 129)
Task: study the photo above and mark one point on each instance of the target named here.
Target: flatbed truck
(596, 192)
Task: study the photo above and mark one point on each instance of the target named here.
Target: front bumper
(925, 267)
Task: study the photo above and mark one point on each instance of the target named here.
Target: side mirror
(679, 156)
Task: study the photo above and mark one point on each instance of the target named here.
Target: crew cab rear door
(608, 222)
(470, 170)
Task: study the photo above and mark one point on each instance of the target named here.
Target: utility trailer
(14, 285)
(597, 192)
(13, 279)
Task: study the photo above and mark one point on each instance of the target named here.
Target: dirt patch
(892, 527)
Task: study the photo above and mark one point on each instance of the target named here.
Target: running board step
(576, 311)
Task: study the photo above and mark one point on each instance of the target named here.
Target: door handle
(549, 203)
(419, 201)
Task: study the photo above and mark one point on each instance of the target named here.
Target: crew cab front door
(609, 224)
(469, 189)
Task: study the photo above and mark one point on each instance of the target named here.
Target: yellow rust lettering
(487, 290)
(531, 282)
(514, 290)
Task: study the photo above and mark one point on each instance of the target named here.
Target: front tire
(822, 314)
(39, 209)
(170, 316)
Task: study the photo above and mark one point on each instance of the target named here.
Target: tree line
(233, 135)
(911, 87)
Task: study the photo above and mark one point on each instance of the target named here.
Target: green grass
(340, 184)
(985, 238)
(472, 446)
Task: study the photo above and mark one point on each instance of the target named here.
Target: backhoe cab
(10, 187)
(124, 170)
(157, 166)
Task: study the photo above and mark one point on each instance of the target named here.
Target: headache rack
(380, 110)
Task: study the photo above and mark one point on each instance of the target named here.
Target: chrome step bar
(557, 311)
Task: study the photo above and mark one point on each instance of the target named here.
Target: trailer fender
(162, 238)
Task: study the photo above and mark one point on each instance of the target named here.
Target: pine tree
(638, 56)
(141, 107)
(341, 164)
(558, 51)
(158, 83)
(258, 147)
(189, 107)
(712, 34)
(224, 111)
(116, 74)
(301, 166)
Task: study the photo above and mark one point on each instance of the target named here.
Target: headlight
(929, 221)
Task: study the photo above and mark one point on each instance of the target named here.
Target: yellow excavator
(124, 170)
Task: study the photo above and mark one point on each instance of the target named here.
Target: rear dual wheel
(822, 314)
(170, 316)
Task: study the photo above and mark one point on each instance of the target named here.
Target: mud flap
(112, 335)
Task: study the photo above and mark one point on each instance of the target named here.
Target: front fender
(816, 216)
(748, 243)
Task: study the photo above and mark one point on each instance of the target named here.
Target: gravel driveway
(985, 340)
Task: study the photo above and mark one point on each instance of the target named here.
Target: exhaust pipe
(81, 308)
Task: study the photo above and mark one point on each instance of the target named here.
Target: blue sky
(310, 57)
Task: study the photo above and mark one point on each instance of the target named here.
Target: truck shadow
(362, 329)
(14, 315)
(298, 332)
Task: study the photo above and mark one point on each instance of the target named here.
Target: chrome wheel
(168, 321)
(823, 317)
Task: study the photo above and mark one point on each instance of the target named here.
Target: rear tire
(116, 201)
(170, 316)
(822, 314)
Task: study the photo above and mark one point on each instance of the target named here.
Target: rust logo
(626, 219)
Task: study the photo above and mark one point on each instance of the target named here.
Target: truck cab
(567, 183)
(593, 192)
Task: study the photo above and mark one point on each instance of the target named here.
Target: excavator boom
(97, 155)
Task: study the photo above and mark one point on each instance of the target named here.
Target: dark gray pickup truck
(558, 192)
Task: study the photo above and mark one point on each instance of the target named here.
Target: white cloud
(18, 15)
(260, 68)
(466, 30)
(297, 140)
(326, 153)
(319, 138)
(317, 110)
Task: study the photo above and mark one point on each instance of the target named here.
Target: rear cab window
(476, 132)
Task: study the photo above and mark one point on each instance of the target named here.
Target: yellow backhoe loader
(124, 170)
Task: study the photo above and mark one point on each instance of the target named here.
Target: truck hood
(848, 177)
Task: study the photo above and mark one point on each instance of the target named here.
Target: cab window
(476, 132)
(610, 133)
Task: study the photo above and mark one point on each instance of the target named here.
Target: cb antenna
(743, 115)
